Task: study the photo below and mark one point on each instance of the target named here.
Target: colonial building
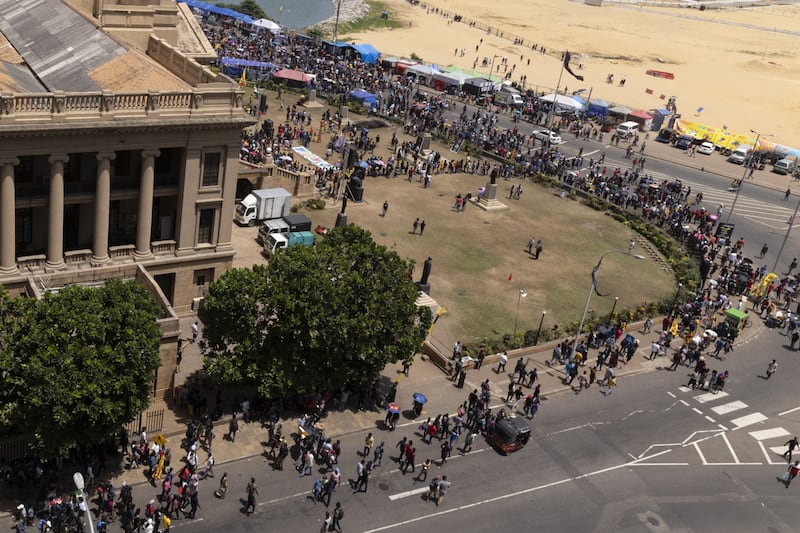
(118, 151)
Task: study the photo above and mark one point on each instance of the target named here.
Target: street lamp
(593, 288)
(744, 175)
(522, 294)
(786, 236)
(77, 478)
(613, 307)
(539, 331)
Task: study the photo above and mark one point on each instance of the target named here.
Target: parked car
(784, 166)
(684, 142)
(547, 136)
(666, 135)
(706, 148)
(739, 155)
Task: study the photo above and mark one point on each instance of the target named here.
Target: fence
(14, 448)
(153, 420)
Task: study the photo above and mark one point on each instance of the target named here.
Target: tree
(314, 319)
(80, 363)
(248, 7)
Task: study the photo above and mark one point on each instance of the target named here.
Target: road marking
(696, 410)
(684, 403)
(661, 464)
(724, 428)
(670, 394)
(683, 388)
(729, 407)
(711, 420)
(748, 420)
(408, 493)
(765, 434)
(708, 397)
(775, 450)
(512, 494)
(702, 457)
(182, 523)
(789, 411)
(728, 443)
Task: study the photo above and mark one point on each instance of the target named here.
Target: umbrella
(710, 333)
(393, 407)
(362, 164)
(420, 398)
(285, 158)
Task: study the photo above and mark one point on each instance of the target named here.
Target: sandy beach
(740, 66)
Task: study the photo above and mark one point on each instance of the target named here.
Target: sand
(740, 66)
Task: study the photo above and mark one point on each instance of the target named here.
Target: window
(211, 169)
(206, 228)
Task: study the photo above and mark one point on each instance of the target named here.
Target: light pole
(522, 294)
(593, 288)
(744, 175)
(77, 478)
(539, 331)
(786, 236)
(613, 308)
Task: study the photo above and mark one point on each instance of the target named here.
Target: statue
(426, 271)
(493, 175)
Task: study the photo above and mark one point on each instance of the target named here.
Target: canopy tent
(644, 119)
(403, 65)
(224, 11)
(597, 108)
(620, 110)
(368, 52)
(477, 86)
(563, 101)
(266, 24)
(292, 75)
(364, 97)
(442, 80)
(426, 71)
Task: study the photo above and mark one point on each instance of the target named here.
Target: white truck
(509, 99)
(278, 241)
(287, 224)
(263, 204)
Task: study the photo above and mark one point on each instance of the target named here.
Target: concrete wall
(180, 64)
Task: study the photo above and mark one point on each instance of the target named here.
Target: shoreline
(350, 10)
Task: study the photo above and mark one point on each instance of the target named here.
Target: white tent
(268, 25)
(563, 101)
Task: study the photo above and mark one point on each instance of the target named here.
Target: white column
(144, 218)
(55, 221)
(8, 231)
(102, 206)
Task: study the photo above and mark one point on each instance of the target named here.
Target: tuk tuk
(736, 318)
(510, 435)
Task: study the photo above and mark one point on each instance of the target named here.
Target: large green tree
(248, 7)
(314, 319)
(78, 364)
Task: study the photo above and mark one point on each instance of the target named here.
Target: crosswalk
(741, 436)
(770, 214)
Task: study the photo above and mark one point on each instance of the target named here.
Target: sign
(724, 231)
(311, 157)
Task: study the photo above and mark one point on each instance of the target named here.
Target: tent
(597, 108)
(292, 75)
(402, 65)
(224, 11)
(368, 52)
(644, 119)
(266, 24)
(424, 74)
(363, 96)
(563, 101)
(443, 80)
(477, 86)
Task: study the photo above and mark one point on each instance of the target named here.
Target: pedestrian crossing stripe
(765, 434)
(729, 407)
(748, 420)
(709, 397)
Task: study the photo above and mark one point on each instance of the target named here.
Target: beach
(732, 68)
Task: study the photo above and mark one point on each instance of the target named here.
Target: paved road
(653, 456)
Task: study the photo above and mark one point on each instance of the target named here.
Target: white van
(784, 166)
(627, 130)
(739, 155)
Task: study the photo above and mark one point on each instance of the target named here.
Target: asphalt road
(653, 456)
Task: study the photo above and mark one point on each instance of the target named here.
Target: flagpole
(550, 114)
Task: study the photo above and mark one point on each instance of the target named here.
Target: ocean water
(298, 13)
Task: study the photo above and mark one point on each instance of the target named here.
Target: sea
(297, 14)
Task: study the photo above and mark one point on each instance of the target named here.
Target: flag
(243, 79)
(509, 276)
(567, 57)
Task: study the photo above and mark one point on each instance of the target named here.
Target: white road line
(733, 464)
(684, 403)
(683, 389)
(723, 427)
(661, 464)
(728, 443)
(748, 420)
(670, 394)
(765, 434)
(182, 523)
(708, 397)
(775, 450)
(729, 407)
(408, 493)
(696, 410)
(510, 495)
(711, 420)
(789, 411)
(702, 457)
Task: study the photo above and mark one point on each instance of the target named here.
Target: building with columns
(117, 158)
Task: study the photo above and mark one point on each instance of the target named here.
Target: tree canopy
(248, 7)
(314, 319)
(77, 364)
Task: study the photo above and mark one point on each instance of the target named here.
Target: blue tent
(364, 96)
(210, 8)
(597, 108)
(231, 66)
(368, 53)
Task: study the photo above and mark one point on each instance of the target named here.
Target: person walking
(441, 490)
(415, 226)
(790, 447)
(446, 449)
(539, 249)
(468, 442)
(423, 470)
(210, 466)
(385, 208)
(252, 492)
(233, 428)
(501, 366)
(327, 522)
(411, 457)
(533, 375)
(369, 441)
(338, 514)
(223, 487)
(421, 228)
(610, 384)
(763, 252)
(531, 243)
(791, 473)
(772, 367)
(363, 481)
(787, 194)
(377, 456)
(195, 332)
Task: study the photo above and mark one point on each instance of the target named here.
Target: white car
(548, 136)
(706, 148)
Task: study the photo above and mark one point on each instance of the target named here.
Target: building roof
(59, 45)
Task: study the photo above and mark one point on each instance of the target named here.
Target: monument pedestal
(424, 287)
(488, 200)
(341, 220)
